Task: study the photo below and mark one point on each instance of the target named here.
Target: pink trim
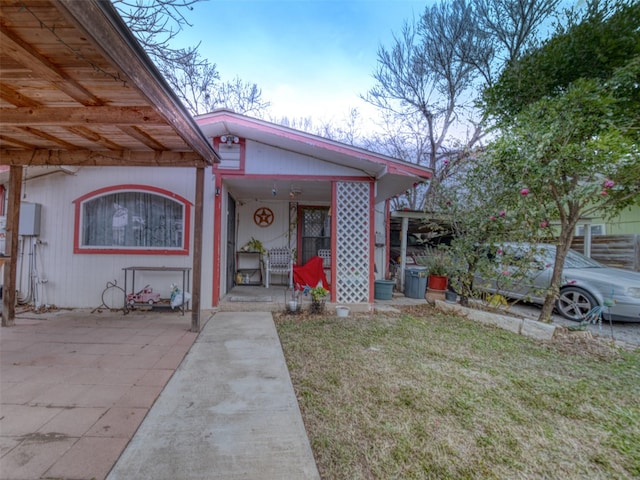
(217, 238)
(259, 176)
(319, 142)
(134, 251)
(334, 241)
(243, 157)
(387, 229)
(372, 242)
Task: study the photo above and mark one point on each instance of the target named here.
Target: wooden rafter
(142, 137)
(14, 97)
(64, 116)
(25, 54)
(52, 138)
(107, 158)
(95, 137)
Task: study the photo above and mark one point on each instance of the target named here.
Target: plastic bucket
(383, 289)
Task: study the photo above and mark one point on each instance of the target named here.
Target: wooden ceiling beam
(14, 97)
(23, 53)
(142, 137)
(85, 158)
(51, 138)
(16, 142)
(72, 116)
(89, 134)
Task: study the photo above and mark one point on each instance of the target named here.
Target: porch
(243, 298)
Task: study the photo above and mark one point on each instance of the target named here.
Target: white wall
(78, 280)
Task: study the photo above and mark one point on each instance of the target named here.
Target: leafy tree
(570, 149)
(427, 81)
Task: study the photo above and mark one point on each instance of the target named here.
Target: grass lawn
(428, 395)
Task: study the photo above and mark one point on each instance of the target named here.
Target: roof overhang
(77, 89)
(393, 176)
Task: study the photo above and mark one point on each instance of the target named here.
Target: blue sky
(310, 57)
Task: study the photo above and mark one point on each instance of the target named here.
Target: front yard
(424, 395)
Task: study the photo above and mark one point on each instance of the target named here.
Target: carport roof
(77, 89)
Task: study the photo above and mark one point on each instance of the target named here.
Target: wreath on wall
(263, 217)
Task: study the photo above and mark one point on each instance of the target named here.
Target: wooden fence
(619, 251)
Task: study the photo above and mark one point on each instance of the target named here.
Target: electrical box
(29, 219)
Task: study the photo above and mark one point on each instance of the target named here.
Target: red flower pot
(437, 282)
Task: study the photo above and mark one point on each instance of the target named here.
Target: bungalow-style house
(113, 179)
(284, 188)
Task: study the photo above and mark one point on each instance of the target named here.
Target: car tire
(575, 303)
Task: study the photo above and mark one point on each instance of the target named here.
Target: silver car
(587, 286)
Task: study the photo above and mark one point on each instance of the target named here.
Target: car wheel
(574, 303)
(150, 302)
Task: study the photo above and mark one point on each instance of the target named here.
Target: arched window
(132, 219)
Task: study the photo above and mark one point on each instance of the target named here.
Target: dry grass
(425, 395)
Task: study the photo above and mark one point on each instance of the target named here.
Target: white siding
(275, 235)
(77, 280)
(266, 160)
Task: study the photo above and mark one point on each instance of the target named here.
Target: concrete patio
(75, 386)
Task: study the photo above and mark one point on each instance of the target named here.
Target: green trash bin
(383, 289)
(415, 282)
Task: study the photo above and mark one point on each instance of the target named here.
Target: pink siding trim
(372, 241)
(308, 139)
(334, 241)
(120, 251)
(387, 229)
(243, 157)
(217, 238)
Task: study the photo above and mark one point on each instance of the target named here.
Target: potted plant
(318, 298)
(253, 245)
(438, 265)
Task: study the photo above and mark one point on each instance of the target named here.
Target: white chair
(280, 262)
(325, 254)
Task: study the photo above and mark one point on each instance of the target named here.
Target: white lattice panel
(352, 239)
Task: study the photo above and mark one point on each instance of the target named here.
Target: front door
(315, 232)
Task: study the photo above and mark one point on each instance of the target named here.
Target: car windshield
(577, 260)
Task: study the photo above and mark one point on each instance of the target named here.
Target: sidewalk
(229, 412)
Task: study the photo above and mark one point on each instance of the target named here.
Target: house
(282, 187)
(111, 179)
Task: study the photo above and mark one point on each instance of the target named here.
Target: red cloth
(310, 274)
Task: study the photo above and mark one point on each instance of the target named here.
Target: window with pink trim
(120, 220)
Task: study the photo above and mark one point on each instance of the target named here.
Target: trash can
(415, 282)
(383, 289)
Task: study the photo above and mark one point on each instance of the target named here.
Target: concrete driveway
(75, 386)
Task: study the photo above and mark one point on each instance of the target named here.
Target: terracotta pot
(437, 282)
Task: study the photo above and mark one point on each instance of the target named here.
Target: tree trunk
(562, 247)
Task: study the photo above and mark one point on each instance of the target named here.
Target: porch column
(197, 251)
(353, 242)
(11, 247)
(403, 250)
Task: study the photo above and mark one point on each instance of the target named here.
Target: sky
(311, 58)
